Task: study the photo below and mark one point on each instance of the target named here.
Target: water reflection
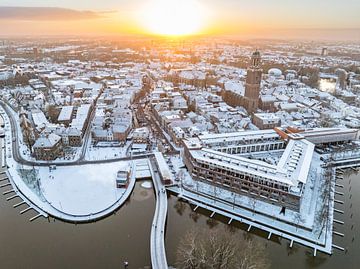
(180, 207)
(280, 253)
(327, 85)
(104, 244)
(125, 236)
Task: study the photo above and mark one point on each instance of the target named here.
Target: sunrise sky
(181, 17)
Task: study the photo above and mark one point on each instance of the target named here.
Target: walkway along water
(157, 238)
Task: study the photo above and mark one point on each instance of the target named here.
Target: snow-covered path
(157, 237)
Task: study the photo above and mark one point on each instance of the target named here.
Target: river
(125, 236)
(327, 85)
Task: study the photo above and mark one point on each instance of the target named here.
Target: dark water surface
(104, 244)
(125, 236)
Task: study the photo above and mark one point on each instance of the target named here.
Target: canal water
(327, 85)
(125, 236)
(104, 244)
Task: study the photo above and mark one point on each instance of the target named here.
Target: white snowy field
(81, 190)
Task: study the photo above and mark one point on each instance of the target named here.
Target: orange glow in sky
(172, 17)
(257, 18)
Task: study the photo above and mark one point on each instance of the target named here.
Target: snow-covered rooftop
(65, 114)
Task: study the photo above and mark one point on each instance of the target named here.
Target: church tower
(253, 81)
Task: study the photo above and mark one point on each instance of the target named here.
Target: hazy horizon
(330, 20)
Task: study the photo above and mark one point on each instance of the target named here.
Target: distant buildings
(209, 90)
(324, 51)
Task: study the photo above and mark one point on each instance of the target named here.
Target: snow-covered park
(73, 193)
(81, 190)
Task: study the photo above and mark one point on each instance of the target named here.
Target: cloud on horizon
(48, 14)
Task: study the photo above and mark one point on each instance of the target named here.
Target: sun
(173, 17)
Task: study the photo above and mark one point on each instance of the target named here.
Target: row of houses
(113, 119)
(51, 141)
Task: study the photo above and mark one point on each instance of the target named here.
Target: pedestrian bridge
(157, 238)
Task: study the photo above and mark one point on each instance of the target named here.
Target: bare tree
(53, 113)
(180, 207)
(298, 219)
(212, 223)
(326, 121)
(194, 216)
(322, 217)
(253, 204)
(219, 248)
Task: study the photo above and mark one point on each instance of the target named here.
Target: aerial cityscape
(179, 134)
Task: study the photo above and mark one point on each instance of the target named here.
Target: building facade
(48, 147)
(226, 161)
(266, 120)
(235, 161)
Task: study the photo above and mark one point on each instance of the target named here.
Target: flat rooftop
(65, 113)
(238, 136)
(293, 167)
